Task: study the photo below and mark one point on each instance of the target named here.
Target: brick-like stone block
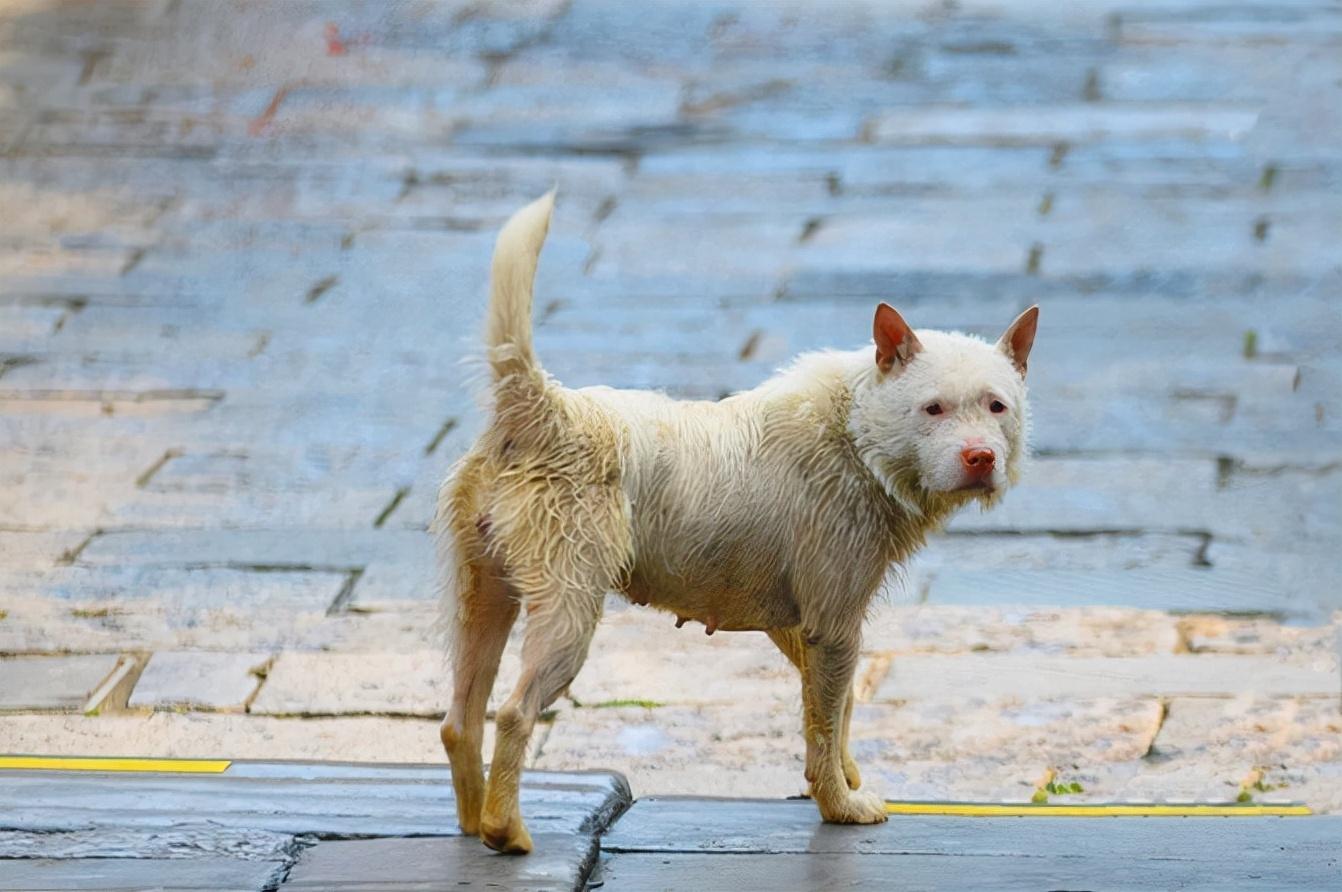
(26, 552)
(1074, 631)
(968, 676)
(198, 680)
(1005, 125)
(294, 587)
(197, 735)
(408, 683)
(350, 684)
(63, 682)
(1174, 589)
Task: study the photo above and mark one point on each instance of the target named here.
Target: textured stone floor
(266, 826)
(243, 253)
(704, 844)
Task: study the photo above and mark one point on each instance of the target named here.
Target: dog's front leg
(828, 679)
(850, 772)
(792, 642)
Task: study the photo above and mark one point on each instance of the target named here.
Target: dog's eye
(934, 409)
(996, 407)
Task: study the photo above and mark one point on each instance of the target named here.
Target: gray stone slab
(407, 683)
(292, 586)
(387, 581)
(51, 682)
(126, 875)
(1078, 122)
(1161, 427)
(266, 548)
(1020, 550)
(186, 840)
(989, 235)
(1047, 868)
(1171, 589)
(558, 861)
(744, 844)
(199, 680)
(685, 824)
(1043, 677)
(337, 506)
(929, 286)
(37, 550)
(1087, 494)
(276, 797)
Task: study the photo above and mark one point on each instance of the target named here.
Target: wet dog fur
(779, 509)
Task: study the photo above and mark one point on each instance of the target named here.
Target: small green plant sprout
(1049, 785)
(1250, 344)
(1254, 782)
(1058, 789)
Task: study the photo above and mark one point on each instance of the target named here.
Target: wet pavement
(253, 826)
(266, 825)
(708, 844)
(243, 259)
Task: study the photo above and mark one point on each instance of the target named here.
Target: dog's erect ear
(895, 341)
(1019, 338)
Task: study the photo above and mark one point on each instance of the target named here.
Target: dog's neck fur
(830, 384)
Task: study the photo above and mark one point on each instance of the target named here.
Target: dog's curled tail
(512, 276)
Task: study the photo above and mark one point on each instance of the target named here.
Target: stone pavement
(689, 843)
(243, 252)
(252, 826)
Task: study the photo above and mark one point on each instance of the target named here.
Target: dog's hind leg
(558, 633)
(486, 612)
(793, 645)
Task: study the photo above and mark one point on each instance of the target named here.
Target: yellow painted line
(61, 763)
(1025, 810)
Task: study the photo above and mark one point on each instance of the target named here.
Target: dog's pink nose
(978, 461)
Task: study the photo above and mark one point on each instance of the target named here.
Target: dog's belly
(730, 602)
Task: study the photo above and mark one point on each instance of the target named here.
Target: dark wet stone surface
(120, 875)
(708, 826)
(740, 845)
(558, 862)
(932, 872)
(273, 822)
(245, 828)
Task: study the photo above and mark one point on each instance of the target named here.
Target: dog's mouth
(985, 486)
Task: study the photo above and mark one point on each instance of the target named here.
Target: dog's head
(942, 418)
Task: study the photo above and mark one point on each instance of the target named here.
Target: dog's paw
(855, 807)
(509, 837)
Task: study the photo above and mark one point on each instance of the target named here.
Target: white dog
(779, 509)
